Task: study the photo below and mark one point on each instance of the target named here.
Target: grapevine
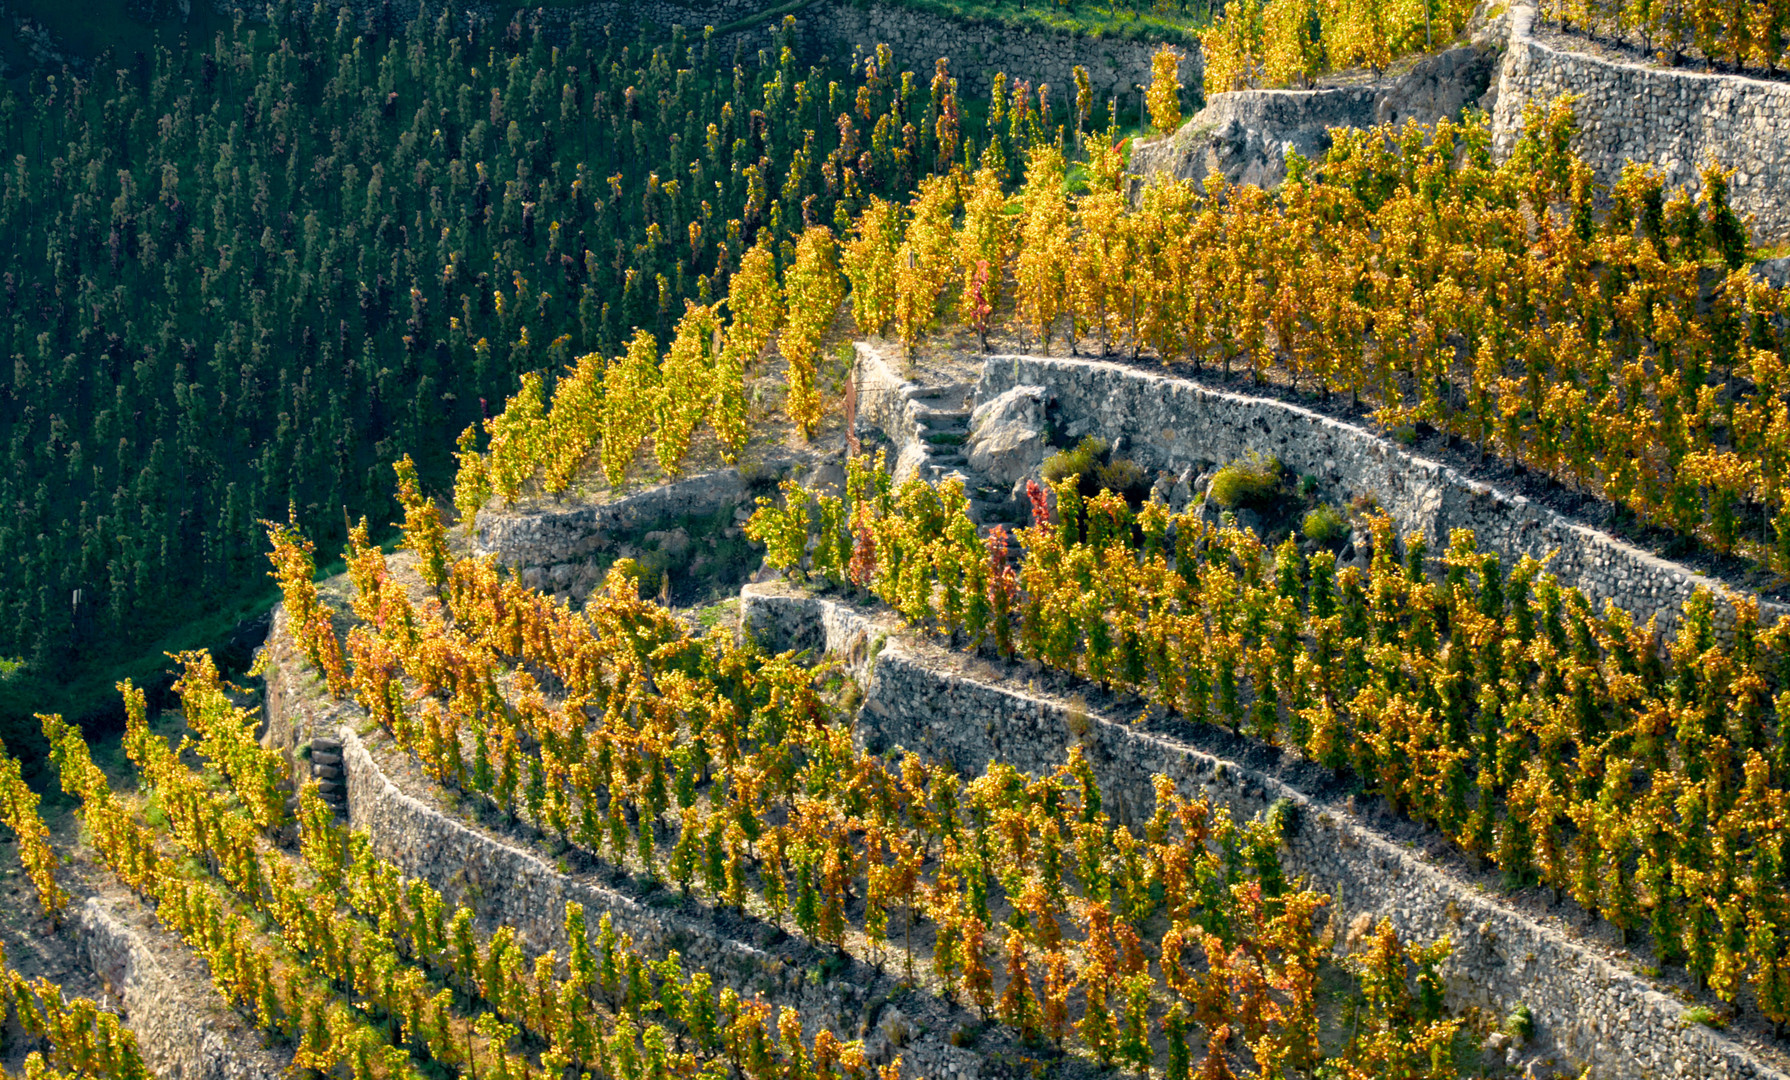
(1371, 672)
(677, 781)
(18, 812)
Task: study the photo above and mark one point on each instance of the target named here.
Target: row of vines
(1529, 728)
(731, 774)
(1625, 352)
(1292, 42)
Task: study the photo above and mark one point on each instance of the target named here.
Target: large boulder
(1442, 85)
(1006, 440)
(1244, 136)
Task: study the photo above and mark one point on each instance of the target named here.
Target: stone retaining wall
(895, 405)
(183, 1028)
(551, 547)
(1172, 424)
(1669, 117)
(507, 883)
(1590, 1009)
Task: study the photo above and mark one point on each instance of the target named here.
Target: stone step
(942, 392)
(938, 419)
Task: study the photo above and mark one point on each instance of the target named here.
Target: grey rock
(1442, 85)
(1006, 440)
(1244, 136)
(1163, 490)
(1774, 272)
(671, 542)
(908, 463)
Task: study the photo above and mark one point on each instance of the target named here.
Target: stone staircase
(927, 424)
(326, 769)
(942, 416)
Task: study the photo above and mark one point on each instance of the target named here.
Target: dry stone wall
(1175, 424)
(1593, 1011)
(183, 1029)
(552, 547)
(508, 883)
(1671, 118)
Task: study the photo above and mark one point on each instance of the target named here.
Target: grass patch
(704, 567)
(1701, 1014)
(766, 15)
(1077, 461)
(1520, 1024)
(717, 613)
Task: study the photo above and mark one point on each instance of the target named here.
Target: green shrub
(1246, 480)
(1325, 525)
(1081, 461)
(633, 569)
(1520, 1024)
(1092, 460)
(1121, 476)
(1283, 817)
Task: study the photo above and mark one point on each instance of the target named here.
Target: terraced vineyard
(915, 597)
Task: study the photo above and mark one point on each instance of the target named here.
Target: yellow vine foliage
(630, 396)
(870, 259)
(424, 532)
(518, 439)
(574, 423)
(18, 812)
(1292, 49)
(814, 290)
(685, 386)
(754, 304)
(1044, 241)
(1164, 96)
(983, 235)
(1232, 48)
(472, 478)
(926, 263)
